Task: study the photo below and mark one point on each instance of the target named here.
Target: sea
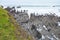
(41, 10)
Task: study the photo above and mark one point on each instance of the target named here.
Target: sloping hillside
(9, 29)
(6, 27)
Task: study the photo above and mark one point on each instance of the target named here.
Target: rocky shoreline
(41, 27)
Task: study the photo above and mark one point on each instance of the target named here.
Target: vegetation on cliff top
(9, 31)
(6, 27)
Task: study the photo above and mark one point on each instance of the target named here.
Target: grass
(6, 27)
(9, 29)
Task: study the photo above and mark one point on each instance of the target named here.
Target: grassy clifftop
(6, 27)
(9, 30)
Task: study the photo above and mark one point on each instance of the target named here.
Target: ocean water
(41, 10)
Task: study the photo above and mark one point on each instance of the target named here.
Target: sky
(33, 2)
(29, 2)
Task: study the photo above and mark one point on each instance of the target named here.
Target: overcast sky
(29, 2)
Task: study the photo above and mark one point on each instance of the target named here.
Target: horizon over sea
(40, 9)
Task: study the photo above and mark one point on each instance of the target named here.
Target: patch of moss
(6, 27)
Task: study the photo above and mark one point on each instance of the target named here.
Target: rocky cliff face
(41, 27)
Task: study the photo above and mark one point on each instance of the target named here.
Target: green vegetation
(6, 27)
(9, 29)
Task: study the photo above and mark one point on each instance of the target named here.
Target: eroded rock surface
(41, 27)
